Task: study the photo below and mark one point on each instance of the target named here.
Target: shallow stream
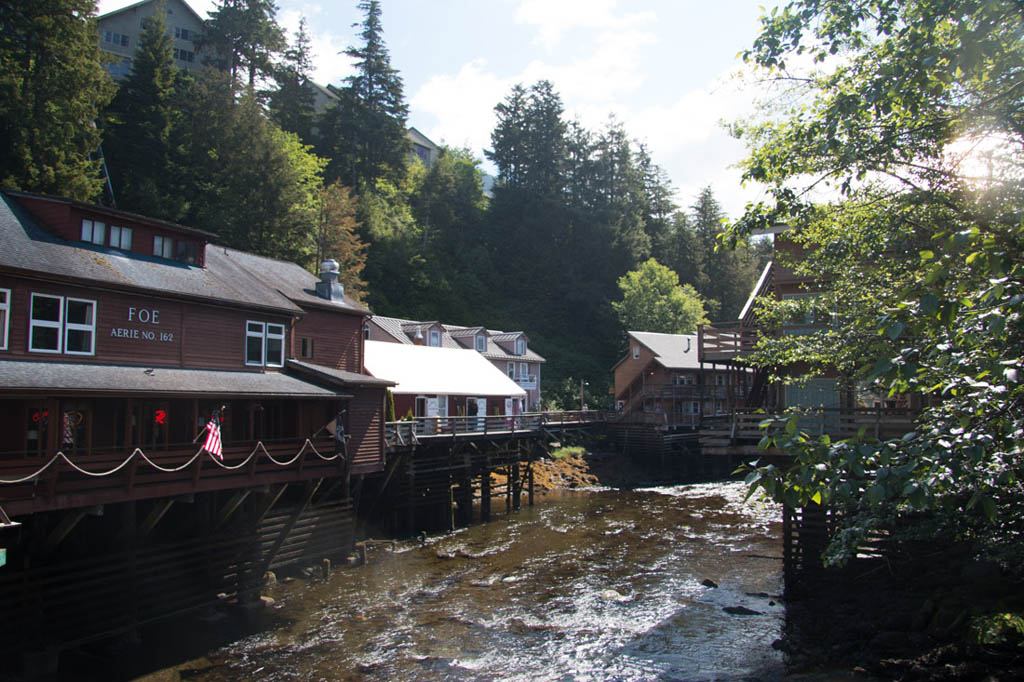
(586, 585)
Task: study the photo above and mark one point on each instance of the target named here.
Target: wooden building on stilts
(178, 418)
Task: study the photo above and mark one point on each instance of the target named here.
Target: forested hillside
(240, 150)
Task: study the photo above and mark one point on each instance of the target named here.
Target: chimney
(418, 339)
(329, 287)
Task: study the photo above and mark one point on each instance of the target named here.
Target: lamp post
(582, 384)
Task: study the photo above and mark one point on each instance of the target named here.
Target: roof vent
(329, 287)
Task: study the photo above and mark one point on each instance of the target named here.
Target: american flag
(213, 444)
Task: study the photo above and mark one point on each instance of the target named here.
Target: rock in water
(708, 582)
(741, 611)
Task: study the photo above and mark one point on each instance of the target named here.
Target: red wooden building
(120, 337)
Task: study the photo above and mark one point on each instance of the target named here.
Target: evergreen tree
(508, 138)
(364, 134)
(730, 273)
(254, 184)
(292, 104)
(141, 126)
(52, 88)
(246, 38)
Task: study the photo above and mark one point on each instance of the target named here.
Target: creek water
(586, 585)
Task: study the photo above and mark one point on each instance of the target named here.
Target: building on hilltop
(120, 31)
(508, 352)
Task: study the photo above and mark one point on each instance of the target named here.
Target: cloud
(330, 64)
(555, 19)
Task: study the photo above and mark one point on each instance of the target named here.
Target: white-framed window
(719, 380)
(184, 55)
(511, 370)
(636, 352)
(435, 338)
(520, 346)
(121, 237)
(79, 326)
(524, 370)
(481, 343)
(59, 325)
(94, 232)
(695, 407)
(163, 247)
(264, 344)
(5, 316)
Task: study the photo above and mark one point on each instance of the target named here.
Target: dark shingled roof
(29, 248)
(290, 279)
(338, 376)
(67, 377)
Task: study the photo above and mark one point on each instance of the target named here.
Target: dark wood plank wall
(66, 222)
(184, 335)
(337, 339)
(366, 426)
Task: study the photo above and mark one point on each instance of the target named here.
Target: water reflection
(588, 585)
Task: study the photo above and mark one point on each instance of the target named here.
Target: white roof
(427, 370)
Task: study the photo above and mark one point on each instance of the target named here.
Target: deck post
(517, 486)
(529, 473)
(485, 495)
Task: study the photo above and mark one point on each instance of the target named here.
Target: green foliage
(654, 301)
(389, 406)
(52, 88)
(141, 128)
(569, 451)
(246, 38)
(364, 132)
(291, 104)
(999, 629)
(918, 262)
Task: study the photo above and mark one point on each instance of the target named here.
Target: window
(184, 33)
(481, 343)
(59, 325)
(520, 346)
(121, 237)
(184, 55)
(115, 38)
(307, 348)
(264, 344)
(636, 352)
(511, 370)
(719, 380)
(94, 231)
(524, 370)
(163, 247)
(435, 338)
(187, 252)
(695, 407)
(5, 316)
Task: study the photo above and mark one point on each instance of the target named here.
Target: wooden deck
(411, 432)
(31, 485)
(741, 431)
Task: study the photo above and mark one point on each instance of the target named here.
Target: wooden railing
(838, 423)
(410, 431)
(115, 475)
(725, 341)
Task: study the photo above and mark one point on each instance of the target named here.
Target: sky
(664, 68)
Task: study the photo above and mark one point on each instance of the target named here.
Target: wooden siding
(185, 334)
(366, 427)
(65, 221)
(337, 339)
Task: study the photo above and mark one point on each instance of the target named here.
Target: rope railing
(138, 452)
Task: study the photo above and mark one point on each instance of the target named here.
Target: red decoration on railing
(36, 416)
(160, 417)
